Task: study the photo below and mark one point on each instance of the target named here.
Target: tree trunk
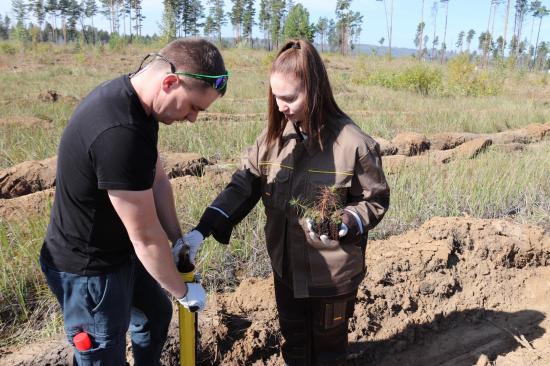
(506, 25)
(130, 22)
(64, 27)
(391, 24)
(537, 44)
(93, 31)
(443, 45)
(421, 32)
(433, 40)
(486, 43)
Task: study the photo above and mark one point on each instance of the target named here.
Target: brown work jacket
(350, 161)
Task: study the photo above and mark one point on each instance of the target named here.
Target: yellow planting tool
(188, 320)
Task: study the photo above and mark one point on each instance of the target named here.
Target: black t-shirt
(108, 144)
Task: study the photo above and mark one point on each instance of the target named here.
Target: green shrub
(117, 43)
(466, 79)
(419, 78)
(422, 79)
(7, 49)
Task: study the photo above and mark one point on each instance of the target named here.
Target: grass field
(381, 96)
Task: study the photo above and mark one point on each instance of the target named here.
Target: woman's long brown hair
(300, 59)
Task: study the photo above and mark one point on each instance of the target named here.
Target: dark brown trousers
(315, 330)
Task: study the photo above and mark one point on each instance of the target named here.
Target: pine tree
(443, 44)
(421, 35)
(332, 35)
(209, 28)
(51, 7)
(264, 21)
(297, 24)
(64, 8)
(389, 23)
(248, 19)
(277, 15)
(4, 28)
(435, 40)
(73, 14)
(138, 16)
(236, 17)
(168, 25)
(460, 40)
(418, 38)
(470, 37)
(506, 18)
(218, 17)
(348, 24)
(521, 9)
(191, 17)
(321, 29)
(90, 10)
(39, 13)
(540, 13)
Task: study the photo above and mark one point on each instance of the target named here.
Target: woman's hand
(343, 231)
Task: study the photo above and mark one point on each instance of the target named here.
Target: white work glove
(192, 240)
(324, 238)
(195, 299)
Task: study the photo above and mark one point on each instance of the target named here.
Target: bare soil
(34, 176)
(456, 291)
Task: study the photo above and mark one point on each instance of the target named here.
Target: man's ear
(170, 81)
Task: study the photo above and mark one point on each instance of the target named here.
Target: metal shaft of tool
(187, 319)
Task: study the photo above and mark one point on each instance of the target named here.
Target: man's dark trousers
(105, 306)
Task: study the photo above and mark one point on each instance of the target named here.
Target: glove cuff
(352, 221)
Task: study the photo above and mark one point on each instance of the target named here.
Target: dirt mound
(180, 164)
(27, 177)
(35, 176)
(450, 140)
(451, 292)
(386, 147)
(24, 206)
(25, 121)
(410, 143)
(53, 96)
(469, 150)
(531, 133)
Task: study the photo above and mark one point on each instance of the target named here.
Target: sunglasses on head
(218, 82)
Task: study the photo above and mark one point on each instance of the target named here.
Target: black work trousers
(315, 330)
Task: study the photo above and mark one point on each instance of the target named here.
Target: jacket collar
(289, 133)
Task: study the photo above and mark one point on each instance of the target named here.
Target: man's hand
(323, 237)
(195, 299)
(193, 240)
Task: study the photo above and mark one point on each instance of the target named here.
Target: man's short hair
(195, 55)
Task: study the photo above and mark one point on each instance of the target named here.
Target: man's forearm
(156, 257)
(166, 209)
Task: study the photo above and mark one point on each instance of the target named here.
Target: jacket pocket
(333, 264)
(276, 187)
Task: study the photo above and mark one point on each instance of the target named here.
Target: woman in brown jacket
(309, 143)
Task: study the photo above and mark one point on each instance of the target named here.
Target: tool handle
(193, 309)
(184, 261)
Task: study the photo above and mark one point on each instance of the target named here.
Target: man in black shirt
(106, 255)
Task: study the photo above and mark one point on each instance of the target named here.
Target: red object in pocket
(82, 341)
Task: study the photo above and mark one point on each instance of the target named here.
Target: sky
(463, 15)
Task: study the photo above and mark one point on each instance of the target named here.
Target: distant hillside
(382, 50)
